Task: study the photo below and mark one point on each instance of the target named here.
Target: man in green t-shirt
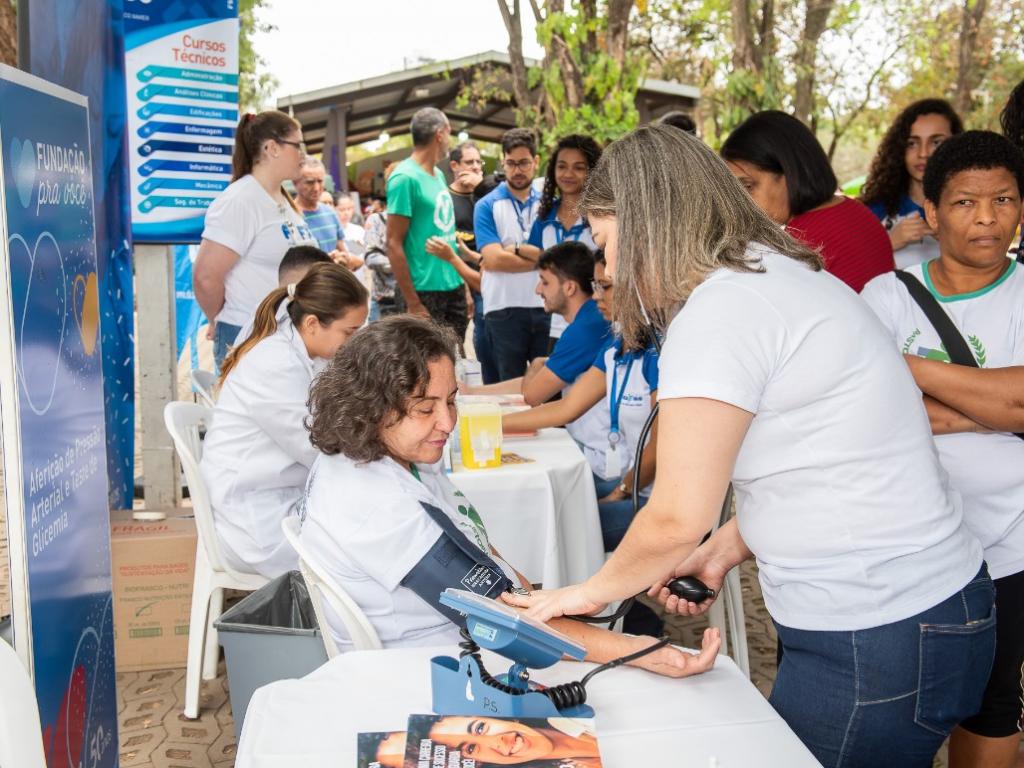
(420, 208)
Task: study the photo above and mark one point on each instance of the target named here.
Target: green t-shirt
(427, 203)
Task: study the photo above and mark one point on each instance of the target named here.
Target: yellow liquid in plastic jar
(480, 433)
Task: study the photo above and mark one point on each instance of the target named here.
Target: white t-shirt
(355, 241)
(987, 469)
(365, 525)
(257, 454)
(251, 223)
(839, 490)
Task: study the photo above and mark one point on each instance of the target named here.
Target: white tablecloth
(541, 516)
(642, 719)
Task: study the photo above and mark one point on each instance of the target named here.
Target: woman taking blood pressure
(777, 377)
(387, 523)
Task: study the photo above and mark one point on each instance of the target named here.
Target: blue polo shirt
(325, 226)
(549, 231)
(906, 207)
(582, 340)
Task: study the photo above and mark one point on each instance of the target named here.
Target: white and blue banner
(54, 436)
(80, 46)
(181, 65)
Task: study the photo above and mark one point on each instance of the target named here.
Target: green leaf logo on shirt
(474, 516)
(979, 350)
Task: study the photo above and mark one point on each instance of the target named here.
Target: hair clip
(291, 290)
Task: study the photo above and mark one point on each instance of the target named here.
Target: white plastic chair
(322, 586)
(727, 612)
(204, 384)
(213, 574)
(21, 740)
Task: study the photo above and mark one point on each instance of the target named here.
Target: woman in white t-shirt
(257, 454)
(378, 506)
(250, 225)
(776, 377)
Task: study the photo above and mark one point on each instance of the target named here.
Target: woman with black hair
(784, 169)
(894, 188)
(1012, 121)
(557, 217)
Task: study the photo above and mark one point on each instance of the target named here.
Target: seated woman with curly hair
(385, 521)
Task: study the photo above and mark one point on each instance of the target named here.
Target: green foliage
(255, 84)
(607, 106)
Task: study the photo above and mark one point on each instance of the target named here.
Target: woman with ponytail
(257, 453)
(250, 225)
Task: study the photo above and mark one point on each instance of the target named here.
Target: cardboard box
(153, 565)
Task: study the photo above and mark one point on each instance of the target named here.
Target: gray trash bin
(269, 635)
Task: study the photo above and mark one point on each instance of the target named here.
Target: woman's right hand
(910, 229)
(701, 565)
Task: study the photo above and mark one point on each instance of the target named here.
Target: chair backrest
(321, 586)
(183, 421)
(204, 384)
(21, 740)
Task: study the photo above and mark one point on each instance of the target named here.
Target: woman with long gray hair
(777, 377)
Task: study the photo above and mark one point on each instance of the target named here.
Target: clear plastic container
(480, 433)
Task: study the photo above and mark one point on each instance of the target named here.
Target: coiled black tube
(564, 696)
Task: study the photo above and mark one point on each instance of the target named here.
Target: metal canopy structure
(352, 113)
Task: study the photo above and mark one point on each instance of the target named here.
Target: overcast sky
(319, 43)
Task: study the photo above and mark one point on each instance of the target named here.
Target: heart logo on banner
(45, 301)
(87, 309)
(23, 163)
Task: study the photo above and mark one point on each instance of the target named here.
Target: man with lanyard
(517, 326)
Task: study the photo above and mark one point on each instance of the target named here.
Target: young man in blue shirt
(565, 284)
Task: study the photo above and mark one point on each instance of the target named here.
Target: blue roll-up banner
(80, 46)
(54, 436)
(181, 64)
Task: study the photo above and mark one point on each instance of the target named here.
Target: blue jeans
(224, 337)
(889, 695)
(615, 515)
(481, 344)
(517, 335)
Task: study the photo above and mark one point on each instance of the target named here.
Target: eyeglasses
(299, 145)
(600, 289)
(519, 165)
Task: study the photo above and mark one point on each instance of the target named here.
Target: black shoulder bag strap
(957, 349)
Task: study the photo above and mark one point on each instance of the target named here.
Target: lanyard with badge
(529, 210)
(613, 456)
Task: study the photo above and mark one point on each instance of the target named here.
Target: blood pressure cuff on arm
(454, 561)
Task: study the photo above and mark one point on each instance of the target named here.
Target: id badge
(612, 461)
